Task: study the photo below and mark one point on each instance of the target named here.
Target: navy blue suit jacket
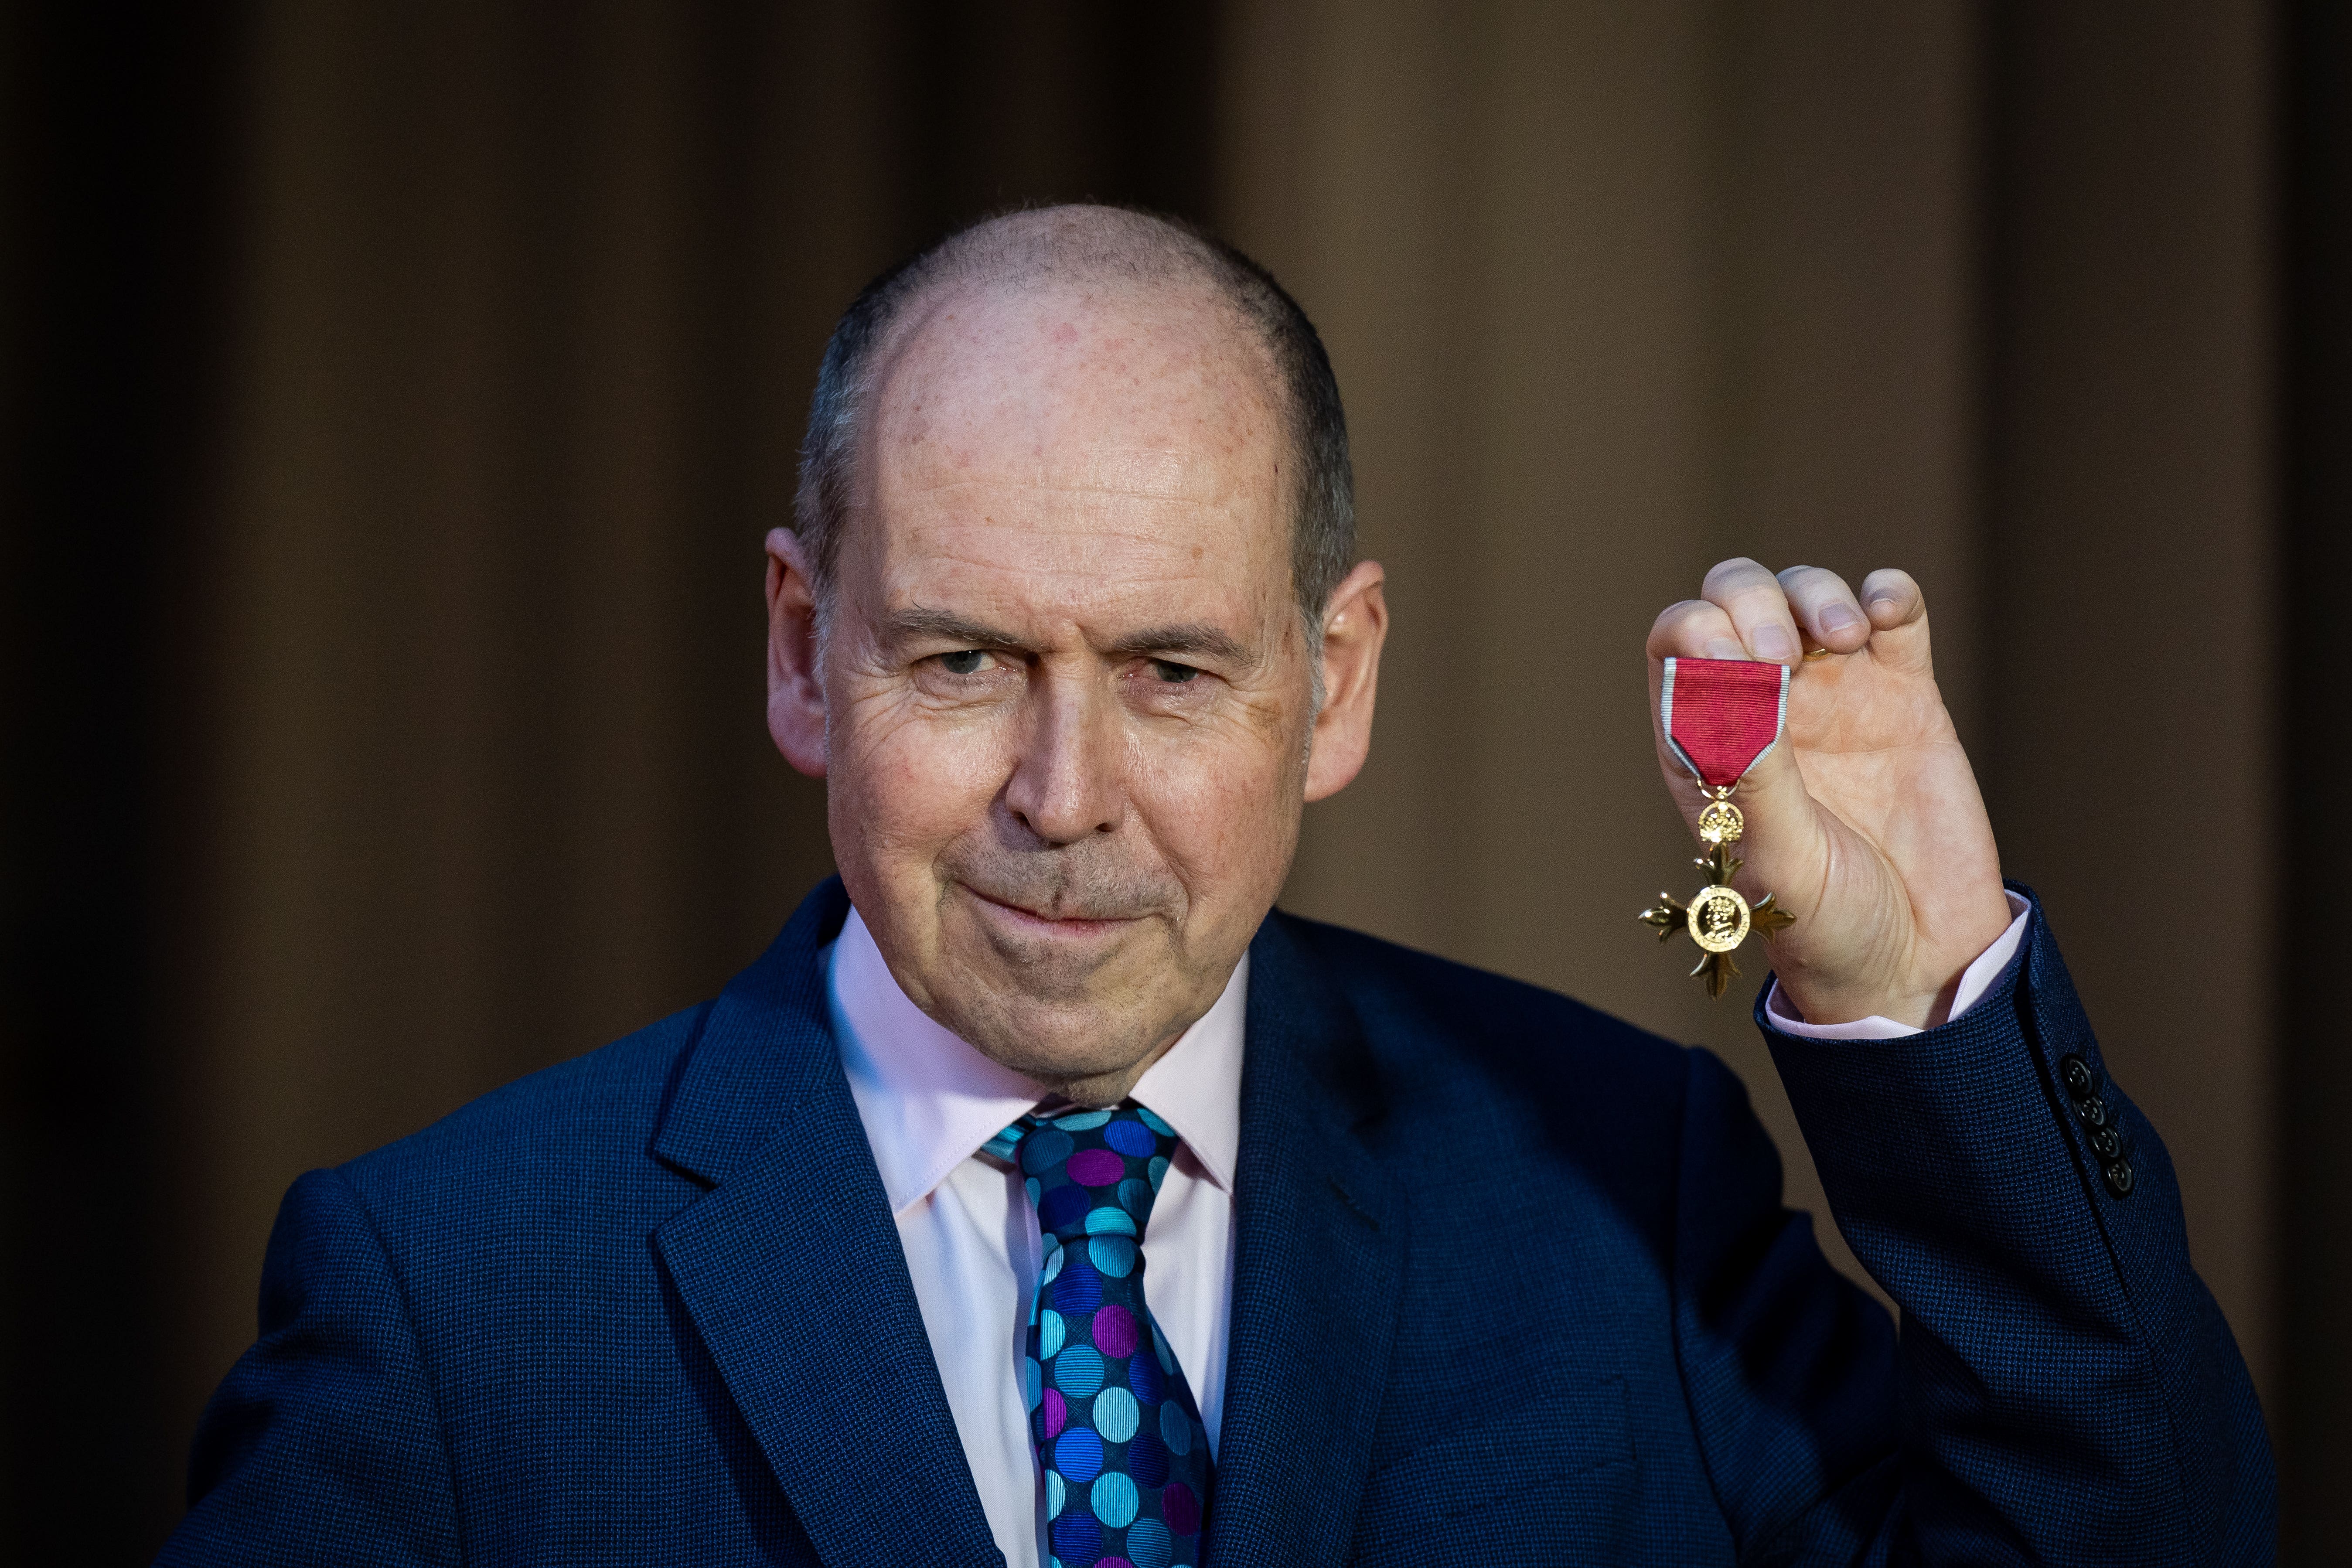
(1513, 1284)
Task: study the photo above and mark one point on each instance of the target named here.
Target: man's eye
(1174, 673)
(963, 661)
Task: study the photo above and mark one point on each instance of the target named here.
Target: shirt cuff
(1975, 981)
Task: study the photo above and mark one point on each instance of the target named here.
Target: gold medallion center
(1718, 919)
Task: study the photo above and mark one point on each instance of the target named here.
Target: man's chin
(1057, 1040)
(1058, 1015)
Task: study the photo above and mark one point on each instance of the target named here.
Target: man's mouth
(1050, 923)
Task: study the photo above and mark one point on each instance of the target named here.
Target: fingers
(1898, 612)
(1825, 608)
(1892, 598)
(1695, 629)
(1744, 611)
(1758, 609)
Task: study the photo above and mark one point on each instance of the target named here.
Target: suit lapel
(792, 1271)
(1319, 1263)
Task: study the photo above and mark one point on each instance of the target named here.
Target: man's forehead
(1081, 472)
(1157, 388)
(1104, 560)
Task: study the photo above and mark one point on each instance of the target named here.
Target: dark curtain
(2312, 1415)
(114, 200)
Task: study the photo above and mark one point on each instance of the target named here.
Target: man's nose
(1066, 781)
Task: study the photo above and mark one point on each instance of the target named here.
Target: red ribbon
(1721, 715)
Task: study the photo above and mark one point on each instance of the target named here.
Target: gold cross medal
(1719, 716)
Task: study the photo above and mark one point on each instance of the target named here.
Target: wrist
(1809, 996)
(1830, 1005)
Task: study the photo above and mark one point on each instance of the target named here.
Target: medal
(1719, 716)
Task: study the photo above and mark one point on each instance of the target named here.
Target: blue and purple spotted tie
(1119, 1438)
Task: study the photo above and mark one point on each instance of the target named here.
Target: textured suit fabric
(1513, 1284)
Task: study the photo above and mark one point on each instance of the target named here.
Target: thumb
(1779, 826)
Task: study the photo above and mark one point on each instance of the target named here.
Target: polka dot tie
(1119, 1438)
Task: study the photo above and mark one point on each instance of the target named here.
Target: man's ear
(795, 684)
(1355, 625)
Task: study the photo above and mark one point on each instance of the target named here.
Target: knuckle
(1812, 581)
(1752, 605)
(1678, 613)
(1738, 575)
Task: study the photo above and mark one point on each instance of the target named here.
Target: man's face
(1066, 688)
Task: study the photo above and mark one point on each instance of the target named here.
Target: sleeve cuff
(1975, 981)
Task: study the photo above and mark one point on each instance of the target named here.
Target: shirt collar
(929, 1100)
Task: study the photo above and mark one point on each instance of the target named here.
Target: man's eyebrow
(918, 624)
(1197, 639)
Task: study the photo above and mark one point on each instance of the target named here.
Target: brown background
(397, 394)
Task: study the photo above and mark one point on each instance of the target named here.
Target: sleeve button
(2119, 1178)
(2095, 1113)
(2106, 1143)
(2077, 1075)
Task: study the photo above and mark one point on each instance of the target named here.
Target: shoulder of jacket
(592, 1109)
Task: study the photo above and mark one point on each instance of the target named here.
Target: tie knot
(1090, 1172)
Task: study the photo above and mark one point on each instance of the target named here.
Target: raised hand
(1865, 821)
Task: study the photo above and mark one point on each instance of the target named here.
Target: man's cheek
(1210, 807)
(931, 779)
(1239, 755)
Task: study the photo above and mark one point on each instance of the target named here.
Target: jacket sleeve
(323, 1445)
(2063, 1389)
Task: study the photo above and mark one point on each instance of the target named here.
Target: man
(1042, 1198)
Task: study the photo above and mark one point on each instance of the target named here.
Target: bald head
(1104, 251)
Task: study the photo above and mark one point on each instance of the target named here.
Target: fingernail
(1725, 648)
(1773, 642)
(1837, 617)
